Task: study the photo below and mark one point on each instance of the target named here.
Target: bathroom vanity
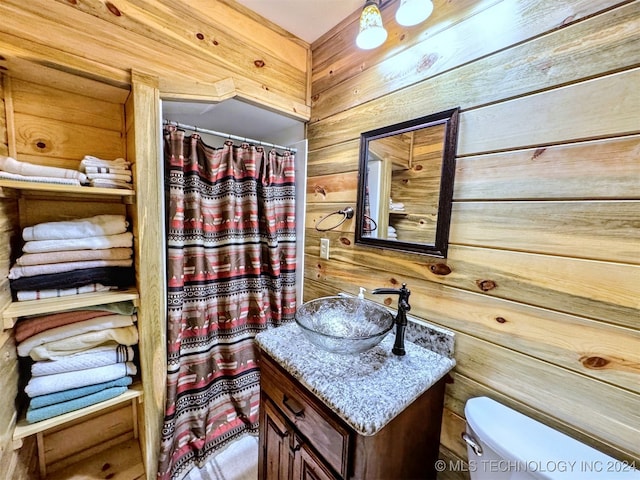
(331, 416)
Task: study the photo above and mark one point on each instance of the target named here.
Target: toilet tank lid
(522, 440)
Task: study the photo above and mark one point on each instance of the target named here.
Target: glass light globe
(412, 12)
(372, 34)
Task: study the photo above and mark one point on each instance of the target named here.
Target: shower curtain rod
(227, 135)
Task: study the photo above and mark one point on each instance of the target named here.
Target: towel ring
(346, 212)
(372, 229)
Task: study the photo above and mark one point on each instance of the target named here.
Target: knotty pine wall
(544, 289)
(198, 49)
(194, 50)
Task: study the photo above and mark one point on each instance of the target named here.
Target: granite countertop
(367, 390)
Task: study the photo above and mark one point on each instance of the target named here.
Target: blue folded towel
(73, 393)
(39, 414)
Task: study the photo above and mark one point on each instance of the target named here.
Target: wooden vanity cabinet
(301, 438)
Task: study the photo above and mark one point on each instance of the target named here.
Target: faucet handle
(404, 292)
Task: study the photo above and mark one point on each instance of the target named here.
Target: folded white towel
(65, 381)
(118, 177)
(26, 295)
(106, 183)
(91, 161)
(35, 179)
(18, 271)
(106, 169)
(92, 358)
(92, 243)
(98, 225)
(46, 258)
(11, 165)
(74, 329)
(85, 341)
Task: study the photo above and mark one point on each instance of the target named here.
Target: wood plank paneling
(598, 230)
(336, 61)
(64, 106)
(462, 388)
(586, 170)
(498, 77)
(542, 279)
(577, 400)
(185, 50)
(339, 187)
(45, 137)
(598, 290)
(491, 128)
(148, 234)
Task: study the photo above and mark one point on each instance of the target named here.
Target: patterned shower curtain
(231, 274)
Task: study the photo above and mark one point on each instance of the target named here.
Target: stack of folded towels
(70, 257)
(12, 169)
(93, 171)
(396, 206)
(106, 173)
(391, 232)
(81, 357)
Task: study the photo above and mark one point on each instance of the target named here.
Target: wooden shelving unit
(16, 310)
(24, 429)
(64, 190)
(13, 311)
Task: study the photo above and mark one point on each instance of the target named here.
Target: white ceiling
(233, 117)
(306, 19)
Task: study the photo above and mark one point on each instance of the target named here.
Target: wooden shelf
(123, 461)
(65, 190)
(58, 304)
(24, 429)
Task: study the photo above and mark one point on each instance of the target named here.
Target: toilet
(503, 444)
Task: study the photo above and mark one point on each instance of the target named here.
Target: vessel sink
(346, 325)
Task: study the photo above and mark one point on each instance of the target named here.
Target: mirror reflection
(406, 184)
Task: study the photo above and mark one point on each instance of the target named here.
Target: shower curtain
(231, 261)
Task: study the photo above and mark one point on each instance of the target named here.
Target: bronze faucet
(401, 317)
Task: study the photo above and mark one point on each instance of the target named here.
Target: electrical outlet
(324, 248)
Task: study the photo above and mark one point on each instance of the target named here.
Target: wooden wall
(544, 289)
(21, 463)
(198, 49)
(173, 49)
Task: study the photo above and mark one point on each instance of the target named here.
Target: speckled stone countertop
(367, 390)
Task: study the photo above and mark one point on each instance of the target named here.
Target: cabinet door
(306, 465)
(274, 444)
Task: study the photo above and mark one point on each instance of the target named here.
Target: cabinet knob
(297, 446)
(293, 406)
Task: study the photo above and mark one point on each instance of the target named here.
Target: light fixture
(372, 33)
(412, 12)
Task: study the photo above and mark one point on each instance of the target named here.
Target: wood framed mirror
(405, 184)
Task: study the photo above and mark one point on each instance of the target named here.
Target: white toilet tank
(516, 447)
